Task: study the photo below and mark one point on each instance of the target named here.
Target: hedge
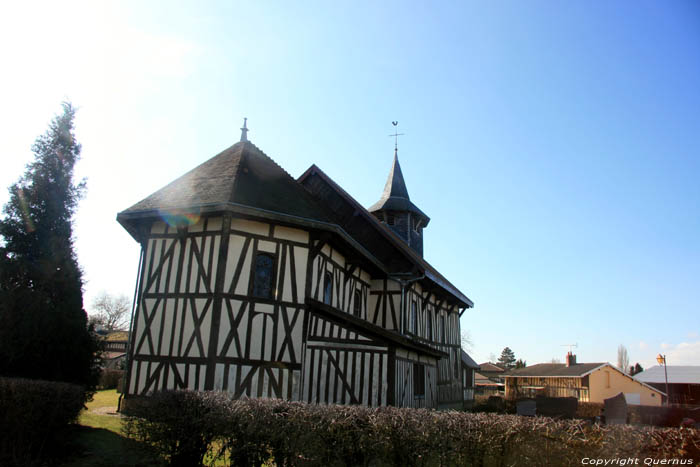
(34, 415)
(188, 426)
(110, 378)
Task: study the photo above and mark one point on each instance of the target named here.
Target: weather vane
(396, 137)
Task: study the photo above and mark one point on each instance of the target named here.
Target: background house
(469, 368)
(683, 382)
(587, 382)
(488, 380)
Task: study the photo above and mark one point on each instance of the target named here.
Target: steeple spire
(244, 131)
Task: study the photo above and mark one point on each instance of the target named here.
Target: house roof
(489, 367)
(554, 370)
(117, 336)
(468, 362)
(370, 225)
(678, 374)
(395, 195)
(236, 175)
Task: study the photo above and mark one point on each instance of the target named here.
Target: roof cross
(396, 137)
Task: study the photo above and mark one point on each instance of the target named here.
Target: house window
(328, 288)
(264, 277)
(418, 381)
(357, 304)
(429, 325)
(414, 317)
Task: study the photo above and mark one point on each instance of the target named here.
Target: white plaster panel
(253, 227)
(214, 224)
(266, 246)
(242, 285)
(300, 259)
(159, 227)
(294, 235)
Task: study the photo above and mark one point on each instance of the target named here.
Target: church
(262, 285)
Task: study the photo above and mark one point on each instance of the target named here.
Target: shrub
(589, 410)
(34, 414)
(109, 379)
(252, 432)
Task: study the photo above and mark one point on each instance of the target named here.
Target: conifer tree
(43, 326)
(507, 359)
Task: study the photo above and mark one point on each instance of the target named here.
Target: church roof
(361, 224)
(239, 174)
(395, 196)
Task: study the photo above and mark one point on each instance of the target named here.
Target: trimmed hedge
(33, 415)
(187, 426)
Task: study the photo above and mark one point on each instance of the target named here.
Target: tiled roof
(554, 369)
(241, 174)
(676, 374)
(371, 222)
(468, 361)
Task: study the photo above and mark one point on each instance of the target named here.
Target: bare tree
(555, 360)
(467, 343)
(492, 357)
(110, 311)
(623, 359)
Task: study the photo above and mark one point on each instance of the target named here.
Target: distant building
(587, 382)
(469, 368)
(489, 380)
(683, 382)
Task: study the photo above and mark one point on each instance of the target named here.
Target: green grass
(97, 440)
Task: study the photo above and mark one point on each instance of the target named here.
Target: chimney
(570, 359)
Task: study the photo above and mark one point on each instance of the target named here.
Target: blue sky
(555, 145)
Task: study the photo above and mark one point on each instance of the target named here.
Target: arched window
(328, 288)
(357, 304)
(264, 279)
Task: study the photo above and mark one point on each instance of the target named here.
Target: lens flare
(179, 218)
(24, 208)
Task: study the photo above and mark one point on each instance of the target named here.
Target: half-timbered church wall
(193, 276)
(271, 291)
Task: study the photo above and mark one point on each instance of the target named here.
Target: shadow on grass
(101, 447)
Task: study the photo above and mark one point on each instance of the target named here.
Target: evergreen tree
(507, 359)
(520, 363)
(43, 326)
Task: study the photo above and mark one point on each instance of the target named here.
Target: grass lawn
(98, 440)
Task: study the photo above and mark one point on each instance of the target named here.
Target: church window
(264, 276)
(414, 317)
(357, 303)
(390, 219)
(418, 381)
(328, 289)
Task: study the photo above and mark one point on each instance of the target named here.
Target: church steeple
(396, 210)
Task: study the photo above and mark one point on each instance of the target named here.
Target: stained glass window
(263, 282)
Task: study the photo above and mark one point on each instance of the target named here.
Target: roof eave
(128, 219)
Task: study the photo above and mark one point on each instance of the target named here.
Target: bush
(185, 425)
(34, 414)
(109, 379)
(589, 410)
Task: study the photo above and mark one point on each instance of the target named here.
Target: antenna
(396, 137)
(570, 346)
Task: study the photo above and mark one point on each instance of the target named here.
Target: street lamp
(662, 359)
